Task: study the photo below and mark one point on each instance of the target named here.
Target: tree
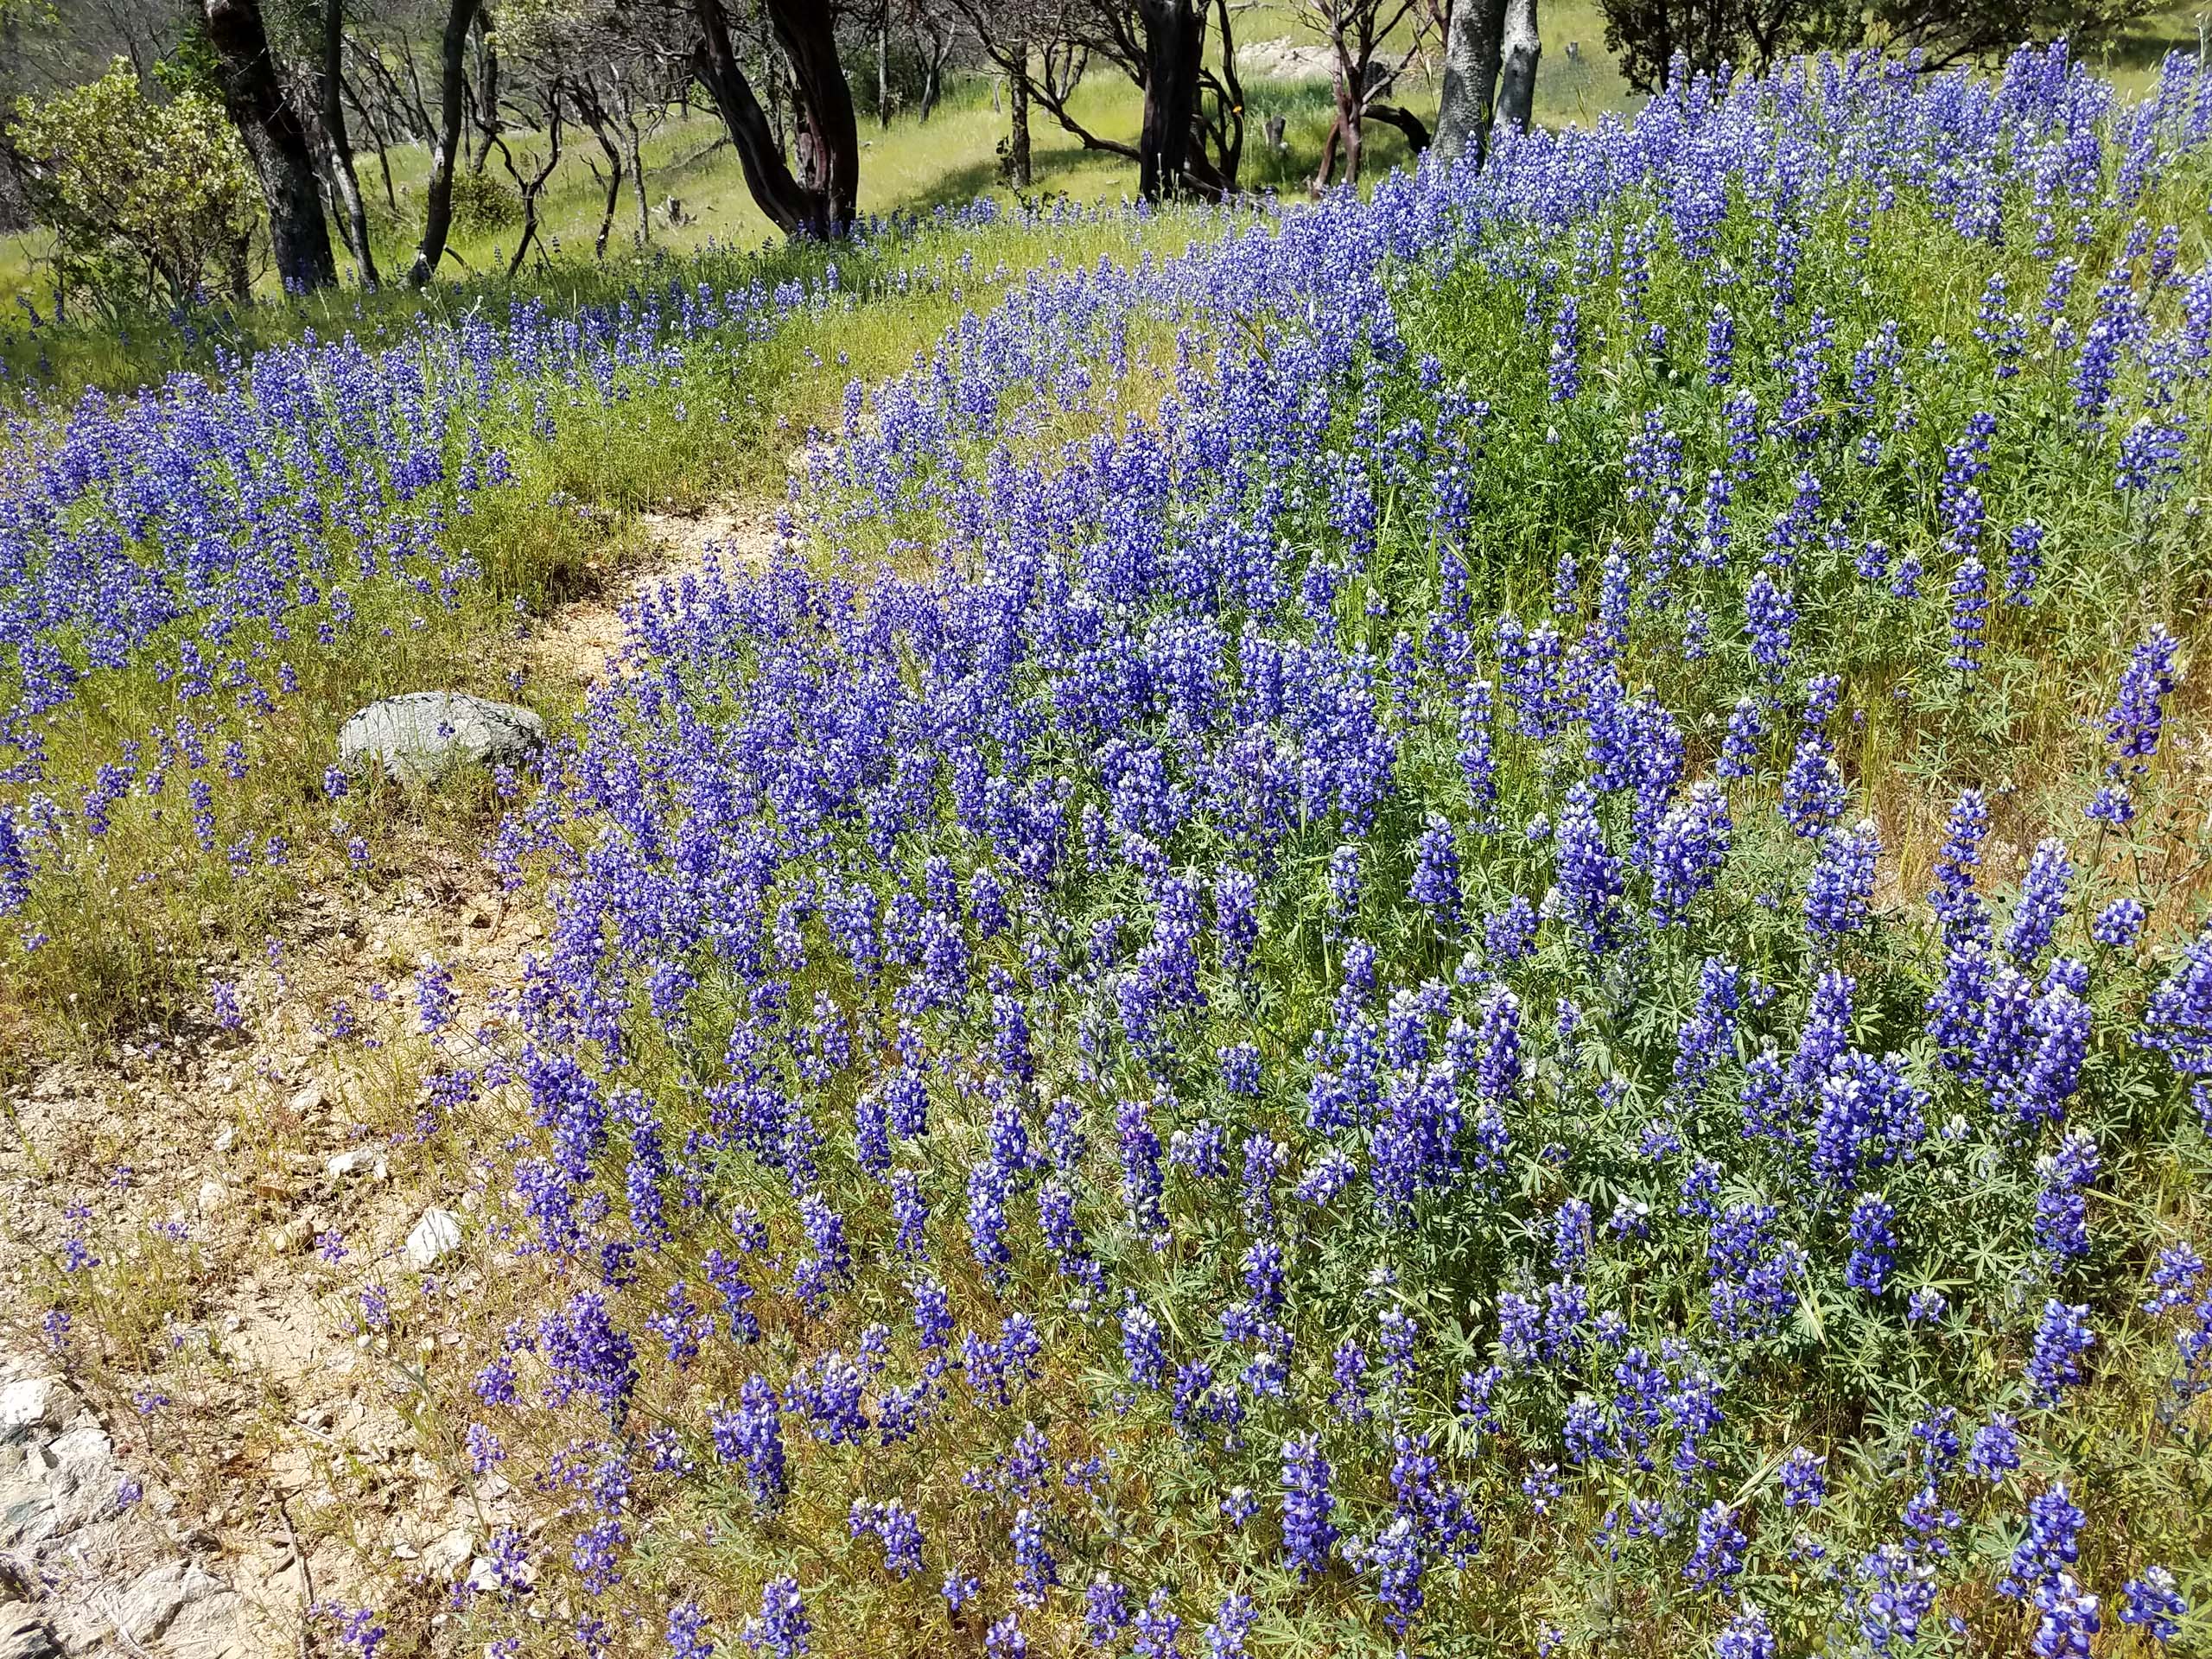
(149, 199)
(822, 199)
(1360, 34)
(1490, 51)
(936, 36)
(344, 184)
(1474, 41)
(437, 190)
(1948, 32)
(1044, 48)
(277, 139)
(1752, 35)
(1192, 137)
(1174, 44)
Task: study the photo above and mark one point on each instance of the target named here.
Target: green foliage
(151, 200)
(481, 203)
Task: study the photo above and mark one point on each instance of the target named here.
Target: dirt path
(581, 642)
(257, 1212)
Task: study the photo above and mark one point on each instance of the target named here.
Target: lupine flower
(1804, 1485)
(2061, 1213)
(1307, 1534)
(2062, 1337)
(2137, 717)
(2153, 1602)
(781, 1628)
(1770, 615)
(1873, 1244)
(1842, 882)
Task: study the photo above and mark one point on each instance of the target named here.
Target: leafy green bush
(481, 203)
(151, 200)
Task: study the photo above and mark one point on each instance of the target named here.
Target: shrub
(150, 200)
(481, 203)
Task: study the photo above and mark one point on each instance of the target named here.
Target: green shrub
(481, 203)
(150, 200)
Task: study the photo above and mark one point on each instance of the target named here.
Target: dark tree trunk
(636, 145)
(821, 200)
(1346, 127)
(437, 209)
(277, 140)
(1473, 44)
(1229, 129)
(1019, 171)
(1174, 38)
(1516, 81)
(487, 80)
(613, 198)
(332, 77)
(825, 109)
(1398, 116)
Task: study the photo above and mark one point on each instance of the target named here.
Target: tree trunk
(883, 67)
(277, 139)
(1347, 127)
(1516, 83)
(638, 178)
(759, 153)
(438, 213)
(1174, 38)
(822, 199)
(933, 76)
(1473, 46)
(1230, 133)
(1019, 172)
(487, 77)
(808, 34)
(342, 177)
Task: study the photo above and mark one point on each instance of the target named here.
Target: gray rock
(23, 1634)
(436, 1237)
(424, 735)
(147, 1604)
(26, 1514)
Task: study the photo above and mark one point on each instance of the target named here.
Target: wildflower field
(1464, 922)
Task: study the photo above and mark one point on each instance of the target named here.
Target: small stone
(426, 734)
(227, 1137)
(353, 1161)
(436, 1237)
(306, 1099)
(291, 1237)
(214, 1195)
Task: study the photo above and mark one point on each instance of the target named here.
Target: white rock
(446, 1556)
(32, 1406)
(227, 1137)
(214, 1195)
(436, 1237)
(354, 1161)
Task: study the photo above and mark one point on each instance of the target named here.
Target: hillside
(1464, 918)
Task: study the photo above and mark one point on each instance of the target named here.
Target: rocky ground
(238, 1441)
